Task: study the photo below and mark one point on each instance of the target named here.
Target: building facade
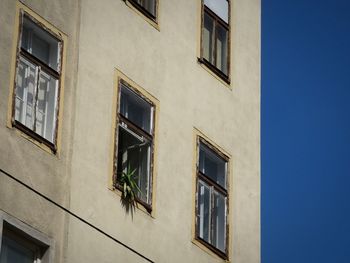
(130, 131)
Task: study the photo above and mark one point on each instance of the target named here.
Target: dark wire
(76, 216)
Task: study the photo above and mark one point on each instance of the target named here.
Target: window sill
(211, 250)
(144, 11)
(34, 137)
(153, 21)
(215, 72)
(140, 205)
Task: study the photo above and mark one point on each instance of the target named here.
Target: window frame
(144, 11)
(220, 21)
(27, 236)
(153, 20)
(199, 176)
(149, 208)
(21, 54)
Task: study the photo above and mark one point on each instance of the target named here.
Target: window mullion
(202, 30)
(149, 177)
(32, 59)
(35, 97)
(56, 106)
(125, 122)
(124, 126)
(216, 186)
(211, 218)
(25, 93)
(215, 41)
(152, 121)
(226, 222)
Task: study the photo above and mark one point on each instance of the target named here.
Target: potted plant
(128, 183)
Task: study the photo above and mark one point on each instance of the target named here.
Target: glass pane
(219, 221)
(143, 172)
(212, 165)
(221, 48)
(204, 215)
(46, 107)
(13, 252)
(40, 43)
(25, 93)
(136, 109)
(219, 7)
(150, 6)
(134, 151)
(207, 38)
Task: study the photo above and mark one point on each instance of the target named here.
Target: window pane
(219, 221)
(221, 48)
(204, 214)
(219, 7)
(13, 252)
(150, 6)
(136, 109)
(134, 151)
(40, 43)
(207, 38)
(25, 93)
(143, 172)
(46, 106)
(212, 165)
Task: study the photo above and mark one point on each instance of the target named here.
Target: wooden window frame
(144, 11)
(122, 120)
(225, 192)
(216, 20)
(57, 74)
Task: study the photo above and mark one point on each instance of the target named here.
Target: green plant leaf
(128, 180)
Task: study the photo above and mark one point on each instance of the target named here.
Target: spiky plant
(128, 182)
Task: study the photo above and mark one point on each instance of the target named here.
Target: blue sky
(305, 131)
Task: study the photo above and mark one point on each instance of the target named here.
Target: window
(37, 81)
(135, 140)
(211, 198)
(147, 7)
(22, 244)
(215, 37)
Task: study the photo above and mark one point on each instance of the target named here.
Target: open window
(211, 198)
(135, 141)
(215, 37)
(37, 81)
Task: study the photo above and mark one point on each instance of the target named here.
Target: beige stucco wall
(104, 36)
(164, 62)
(45, 172)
